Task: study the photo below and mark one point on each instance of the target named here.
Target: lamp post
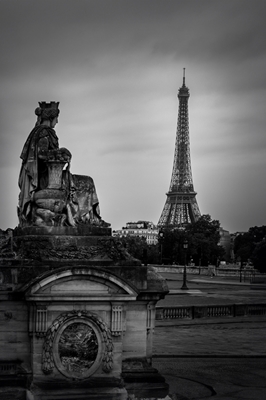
(184, 286)
(161, 241)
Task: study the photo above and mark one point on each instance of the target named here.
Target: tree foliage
(203, 248)
(259, 256)
(252, 246)
(202, 239)
(243, 247)
(138, 248)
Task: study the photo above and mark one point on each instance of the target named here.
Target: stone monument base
(100, 391)
(79, 317)
(142, 380)
(92, 244)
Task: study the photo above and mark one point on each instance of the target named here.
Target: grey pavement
(204, 290)
(207, 337)
(217, 378)
(224, 358)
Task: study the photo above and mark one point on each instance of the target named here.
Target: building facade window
(144, 229)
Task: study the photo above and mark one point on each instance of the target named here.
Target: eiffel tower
(181, 207)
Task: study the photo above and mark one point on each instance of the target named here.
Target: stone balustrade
(247, 273)
(192, 312)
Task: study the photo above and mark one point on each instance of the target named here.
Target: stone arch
(69, 276)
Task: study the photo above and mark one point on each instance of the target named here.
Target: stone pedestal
(84, 310)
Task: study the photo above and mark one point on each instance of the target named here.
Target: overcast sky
(116, 67)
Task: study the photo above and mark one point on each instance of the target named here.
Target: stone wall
(14, 337)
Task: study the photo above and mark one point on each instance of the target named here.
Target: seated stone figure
(49, 194)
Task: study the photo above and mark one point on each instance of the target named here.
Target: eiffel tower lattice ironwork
(181, 206)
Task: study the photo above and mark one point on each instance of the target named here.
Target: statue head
(47, 112)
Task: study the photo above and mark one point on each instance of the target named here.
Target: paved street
(224, 358)
(217, 378)
(204, 290)
(219, 337)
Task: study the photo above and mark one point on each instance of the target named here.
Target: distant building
(225, 242)
(144, 229)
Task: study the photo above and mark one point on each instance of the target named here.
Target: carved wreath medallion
(76, 343)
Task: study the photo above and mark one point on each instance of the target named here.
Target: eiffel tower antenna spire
(181, 206)
(184, 76)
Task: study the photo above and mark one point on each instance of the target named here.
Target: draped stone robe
(33, 172)
(82, 204)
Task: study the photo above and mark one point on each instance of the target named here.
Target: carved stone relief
(77, 343)
(77, 349)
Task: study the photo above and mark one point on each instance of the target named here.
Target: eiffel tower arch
(181, 205)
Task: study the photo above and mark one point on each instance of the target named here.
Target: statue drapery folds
(49, 194)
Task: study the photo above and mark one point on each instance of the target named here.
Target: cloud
(116, 66)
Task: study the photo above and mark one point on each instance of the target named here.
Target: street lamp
(161, 237)
(184, 286)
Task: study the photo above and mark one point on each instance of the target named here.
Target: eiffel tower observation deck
(181, 207)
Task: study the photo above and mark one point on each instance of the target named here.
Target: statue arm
(48, 149)
(47, 144)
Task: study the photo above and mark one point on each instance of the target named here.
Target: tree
(243, 247)
(171, 246)
(202, 236)
(135, 245)
(251, 245)
(258, 238)
(258, 256)
(138, 247)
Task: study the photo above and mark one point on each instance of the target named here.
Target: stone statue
(49, 194)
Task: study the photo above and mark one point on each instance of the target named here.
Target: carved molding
(73, 247)
(41, 321)
(150, 316)
(117, 320)
(48, 361)
(37, 320)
